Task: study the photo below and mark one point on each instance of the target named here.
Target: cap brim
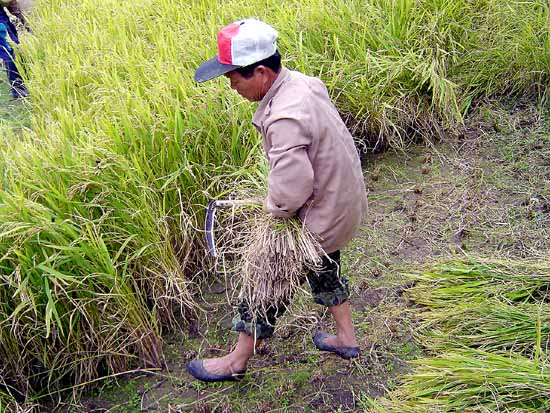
(212, 68)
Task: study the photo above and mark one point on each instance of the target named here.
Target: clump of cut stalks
(473, 381)
(496, 305)
(490, 325)
(455, 282)
(275, 260)
(485, 323)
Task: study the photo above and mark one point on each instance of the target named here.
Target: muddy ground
(483, 192)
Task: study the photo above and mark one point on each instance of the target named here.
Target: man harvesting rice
(314, 174)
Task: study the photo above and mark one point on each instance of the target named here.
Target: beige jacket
(314, 168)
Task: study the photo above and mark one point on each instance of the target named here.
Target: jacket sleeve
(290, 179)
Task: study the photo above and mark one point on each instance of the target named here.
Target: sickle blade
(209, 228)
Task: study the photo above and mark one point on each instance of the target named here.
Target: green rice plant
(487, 324)
(488, 304)
(496, 306)
(401, 69)
(72, 311)
(472, 381)
(85, 291)
(393, 66)
(95, 234)
(454, 283)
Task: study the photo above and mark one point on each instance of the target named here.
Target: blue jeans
(7, 54)
(17, 86)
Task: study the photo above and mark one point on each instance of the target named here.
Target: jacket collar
(265, 103)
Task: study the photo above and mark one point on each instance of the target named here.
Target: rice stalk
(473, 381)
(490, 325)
(460, 281)
(267, 258)
(486, 322)
(12, 400)
(493, 305)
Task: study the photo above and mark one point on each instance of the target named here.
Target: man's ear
(261, 70)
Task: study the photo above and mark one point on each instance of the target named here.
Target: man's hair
(273, 62)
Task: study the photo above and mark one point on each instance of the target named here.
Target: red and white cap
(240, 44)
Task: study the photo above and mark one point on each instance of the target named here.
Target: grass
(103, 189)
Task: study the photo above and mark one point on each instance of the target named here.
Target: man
(7, 53)
(314, 173)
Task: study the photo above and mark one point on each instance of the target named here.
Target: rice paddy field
(106, 170)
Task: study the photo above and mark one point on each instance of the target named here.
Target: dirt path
(486, 193)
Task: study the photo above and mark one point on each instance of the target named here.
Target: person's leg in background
(7, 54)
(15, 80)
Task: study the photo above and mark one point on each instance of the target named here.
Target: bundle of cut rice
(274, 261)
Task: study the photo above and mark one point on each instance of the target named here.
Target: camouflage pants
(327, 287)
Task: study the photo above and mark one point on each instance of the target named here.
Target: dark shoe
(344, 352)
(197, 370)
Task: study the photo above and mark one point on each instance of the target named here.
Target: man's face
(252, 88)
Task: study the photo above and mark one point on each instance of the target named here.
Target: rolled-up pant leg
(327, 287)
